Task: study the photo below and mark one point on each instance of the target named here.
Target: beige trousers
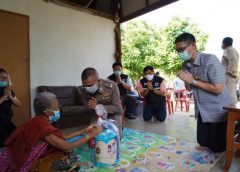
(231, 84)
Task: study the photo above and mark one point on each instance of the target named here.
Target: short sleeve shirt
(207, 68)
(230, 60)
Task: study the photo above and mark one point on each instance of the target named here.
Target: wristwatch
(194, 82)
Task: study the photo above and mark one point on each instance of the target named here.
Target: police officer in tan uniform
(96, 91)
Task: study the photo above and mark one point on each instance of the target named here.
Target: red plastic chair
(190, 98)
(181, 98)
(169, 101)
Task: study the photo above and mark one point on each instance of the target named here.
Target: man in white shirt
(230, 62)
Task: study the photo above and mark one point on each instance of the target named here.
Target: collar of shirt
(196, 61)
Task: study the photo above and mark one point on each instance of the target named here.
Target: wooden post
(118, 50)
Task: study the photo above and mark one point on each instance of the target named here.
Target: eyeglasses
(181, 49)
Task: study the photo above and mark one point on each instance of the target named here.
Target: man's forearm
(160, 92)
(144, 93)
(212, 88)
(126, 86)
(232, 74)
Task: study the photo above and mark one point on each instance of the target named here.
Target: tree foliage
(144, 44)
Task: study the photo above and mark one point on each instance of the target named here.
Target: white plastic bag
(101, 111)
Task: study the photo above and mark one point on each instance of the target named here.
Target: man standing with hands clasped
(204, 74)
(230, 61)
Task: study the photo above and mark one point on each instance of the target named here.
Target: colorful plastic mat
(148, 152)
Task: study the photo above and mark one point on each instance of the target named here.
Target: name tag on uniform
(106, 95)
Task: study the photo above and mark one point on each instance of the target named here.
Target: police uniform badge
(156, 84)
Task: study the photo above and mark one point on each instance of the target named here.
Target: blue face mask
(56, 116)
(3, 83)
(184, 55)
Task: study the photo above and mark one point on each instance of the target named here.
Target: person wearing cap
(230, 60)
(153, 90)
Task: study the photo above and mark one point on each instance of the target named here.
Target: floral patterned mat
(148, 152)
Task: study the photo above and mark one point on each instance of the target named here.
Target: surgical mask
(3, 83)
(56, 116)
(118, 72)
(92, 89)
(149, 77)
(184, 55)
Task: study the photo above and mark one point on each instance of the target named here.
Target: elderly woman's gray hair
(42, 102)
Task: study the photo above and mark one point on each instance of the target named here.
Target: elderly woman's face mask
(55, 113)
(55, 117)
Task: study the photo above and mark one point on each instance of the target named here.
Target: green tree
(170, 62)
(140, 41)
(144, 44)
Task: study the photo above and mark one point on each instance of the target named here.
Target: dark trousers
(212, 135)
(130, 103)
(6, 130)
(158, 110)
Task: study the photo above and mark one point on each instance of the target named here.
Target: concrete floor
(182, 126)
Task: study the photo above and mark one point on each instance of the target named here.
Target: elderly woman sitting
(37, 139)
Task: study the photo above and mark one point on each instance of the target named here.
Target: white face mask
(149, 77)
(92, 89)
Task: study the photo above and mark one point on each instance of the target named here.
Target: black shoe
(130, 117)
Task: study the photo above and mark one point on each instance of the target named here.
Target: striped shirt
(207, 68)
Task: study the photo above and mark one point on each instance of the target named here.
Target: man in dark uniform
(97, 91)
(125, 86)
(154, 91)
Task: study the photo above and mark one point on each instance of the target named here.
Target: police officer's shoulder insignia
(106, 94)
(108, 84)
(100, 90)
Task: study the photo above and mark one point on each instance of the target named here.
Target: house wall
(63, 42)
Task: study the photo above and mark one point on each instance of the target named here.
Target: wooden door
(14, 57)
